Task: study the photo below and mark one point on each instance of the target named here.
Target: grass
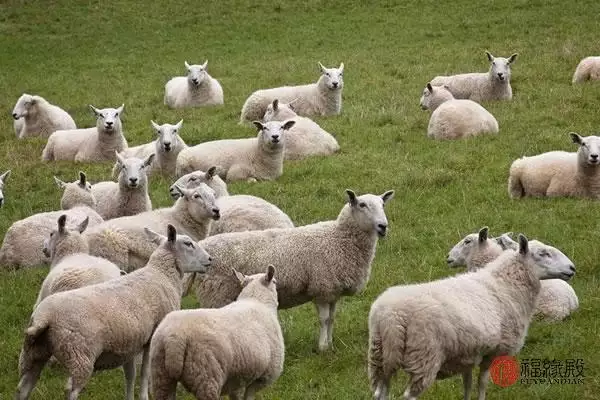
(108, 53)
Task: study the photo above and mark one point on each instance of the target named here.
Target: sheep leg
(79, 378)
(484, 377)
(129, 372)
(330, 325)
(382, 390)
(418, 384)
(467, 383)
(145, 375)
(323, 310)
(29, 379)
(253, 388)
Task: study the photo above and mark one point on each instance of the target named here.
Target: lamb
(455, 118)
(482, 86)
(587, 69)
(250, 159)
(438, 329)
(76, 193)
(124, 242)
(559, 173)
(321, 98)
(35, 116)
(3, 178)
(106, 325)
(128, 196)
(320, 262)
(196, 89)
(235, 350)
(306, 138)
(166, 148)
(89, 144)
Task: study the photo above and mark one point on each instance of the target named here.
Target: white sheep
(3, 178)
(128, 196)
(306, 138)
(235, 350)
(251, 159)
(482, 86)
(104, 326)
(166, 149)
(455, 118)
(321, 98)
(438, 329)
(198, 88)
(76, 193)
(587, 69)
(474, 251)
(320, 262)
(559, 173)
(89, 144)
(35, 116)
(194, 179)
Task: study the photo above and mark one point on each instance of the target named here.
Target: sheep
(559, 173)
(3, 178)
(235, 350)
(321, 98)
(76, 193)
(124, 242)
(193, 179)
(474, 251)
(89, 144)
(35, 116)
(251, 159)
(128, 196)
(587, 69)
(166, 148)
(320, 262)
(482, 86)
(306, 138)
(438, 329)
(196, 89)
(455, 118)
(104, 326)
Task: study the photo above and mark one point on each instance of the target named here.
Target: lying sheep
(89, 144)
(587, 69)
(235, 350)
(198, 88)
(455, 118)
(106, 325)
(76, 193)
(128, 196)
(321, 98)
(35, 116)
(481, 86)
(559, 173)
(474, 251)
(3, 178)
(166, 149)
(252, 159)
(438, 329)
(320, 262)
(306, 138)
(194, 179)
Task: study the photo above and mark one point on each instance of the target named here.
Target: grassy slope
(108, 53)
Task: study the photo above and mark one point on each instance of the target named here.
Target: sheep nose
(1, 201)
(167, 146)
(594, 156)
(133, 181)
(382, 227)
(275, 137)
(109, 123)
(335, 84)
(216, 213)
(572, 268)
(15, 116)
(209, 259)
(195, 81)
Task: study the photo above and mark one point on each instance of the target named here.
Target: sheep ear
(59, 183)
(489, 56)
(95, 111)
(240, 277)
(120, 109)
(155, 237)
(82, 178)
(155, 126)
(122, 272)
(258, 125)
(341, 67)
(445, 86)
(171, 234)
(523, 244)
(4, 176)
(83, 225)
(322, 68)
(120, 158)
(62, 221)
(288, 124)
(270, 274)
(512, 58)
(212, 171)
(483, 234)
(148, 160)
(187, 66)
(387, 196)
(179, 190)
(179, 125)
(291, 104)
(576, 138)
(429, 87)
(351, 197)
(275, 104)
(205, 64)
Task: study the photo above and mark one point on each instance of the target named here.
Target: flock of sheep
(116, 282)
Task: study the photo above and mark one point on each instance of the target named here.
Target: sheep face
(500, 67)
(271, 134)
(279, 111)
(23, 105)
(549, 262)
(196, 74)
(589, 149)
(201, 202)
(133, 171)
(368, 213)
(191, 181)
(433, 96)
(62, 235)
(332, 78)
(3, 178)
(457, 257)
(167, 135)
(108, 119)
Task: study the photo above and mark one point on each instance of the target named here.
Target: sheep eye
(467, 241)
(196, 196)
(362, 205)
(193, 179)
(51, 234)
(327, 73)
(116, 114)
(189, 244)
(175, 131)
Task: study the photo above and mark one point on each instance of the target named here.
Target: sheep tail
(386, 352)
(174, 348)
(515, 186)
(37, 328)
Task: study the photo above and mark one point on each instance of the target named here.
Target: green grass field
(108, 53)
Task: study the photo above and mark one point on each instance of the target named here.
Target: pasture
(109, 53)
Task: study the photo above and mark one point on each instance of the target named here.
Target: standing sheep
(251, 159)
(237, 348)
(438, 329)
(89, 144)
(35, 116)
(587, 69)
(76, 193)
(481, 86)
(196, 89)
(106, 325)
(559, 173)
(321, 98)
(3, 178)
(320, 262)
(455, 118)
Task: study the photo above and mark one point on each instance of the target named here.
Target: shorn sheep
(35, 116)
(559, 173)
(587, 69)
(252, 159)
(76, 193)
(3, 178)
(106, 325)
(306, 138)
(235, 350)
(321, 98)
(196, 89)
(482, 86)
(438, 329)
(89, 144)
(455, 118)
(320, 262)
